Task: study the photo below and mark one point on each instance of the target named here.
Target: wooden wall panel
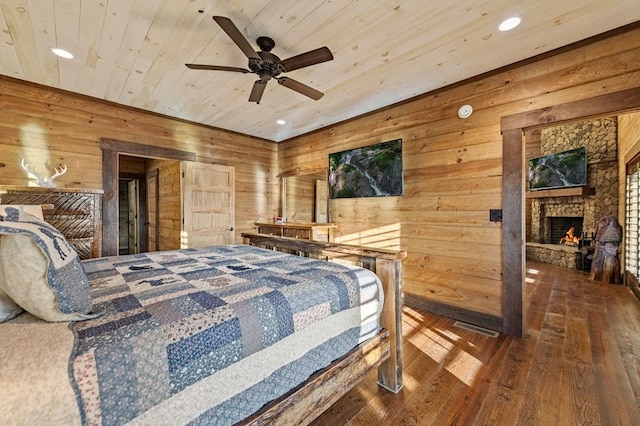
(628, 149)
(300, 198)
(454, 171)
(51, 127)
(628, 138)
(129, 165)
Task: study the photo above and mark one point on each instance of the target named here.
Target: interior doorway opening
(138, 203)
(513, 130)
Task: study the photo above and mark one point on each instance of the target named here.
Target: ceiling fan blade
(234, 33)
(300, 88)
(216, 68)
(322, 54)
(257, 91)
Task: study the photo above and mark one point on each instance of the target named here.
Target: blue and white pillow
(40, 271)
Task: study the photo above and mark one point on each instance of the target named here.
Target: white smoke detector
(465, 111)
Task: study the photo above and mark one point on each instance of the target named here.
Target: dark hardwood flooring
(579, 364)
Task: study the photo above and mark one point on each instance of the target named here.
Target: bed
(266, 331)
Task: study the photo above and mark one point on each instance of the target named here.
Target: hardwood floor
(579, 364)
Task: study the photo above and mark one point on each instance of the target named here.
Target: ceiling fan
(266, 64)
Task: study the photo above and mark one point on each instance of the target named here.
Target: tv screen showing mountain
(558, 170)
(370, 171)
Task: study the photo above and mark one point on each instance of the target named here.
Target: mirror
(305, 198)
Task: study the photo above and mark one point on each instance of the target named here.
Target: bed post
(390, 273)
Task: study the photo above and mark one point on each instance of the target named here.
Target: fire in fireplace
(565, 230)
(570, 239)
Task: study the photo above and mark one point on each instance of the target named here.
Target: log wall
(453, 170)
(49, 127)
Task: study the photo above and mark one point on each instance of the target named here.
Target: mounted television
(370, 171)
(558, 170)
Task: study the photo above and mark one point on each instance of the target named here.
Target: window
(632, 256)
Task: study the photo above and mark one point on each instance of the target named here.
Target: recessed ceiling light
(281, 122)
(510, 23)
(61, 52)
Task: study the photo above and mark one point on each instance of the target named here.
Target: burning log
(569, 239)
(605, 266)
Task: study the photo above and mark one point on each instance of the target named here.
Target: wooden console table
(304, 231)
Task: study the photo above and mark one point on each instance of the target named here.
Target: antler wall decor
(45, 182)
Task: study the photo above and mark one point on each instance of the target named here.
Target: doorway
(194, 202)
(513, 128)
(132, 205)
(112, 151)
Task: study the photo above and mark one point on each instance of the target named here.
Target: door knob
(231, 229)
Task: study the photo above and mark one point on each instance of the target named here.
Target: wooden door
(208, 204)
(133, 216)
(152, 211)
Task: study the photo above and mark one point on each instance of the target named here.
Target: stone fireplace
(549, 214)
(546, 214)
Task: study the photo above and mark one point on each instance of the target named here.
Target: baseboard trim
(479, 319)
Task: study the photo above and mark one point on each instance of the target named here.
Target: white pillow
(40, 271)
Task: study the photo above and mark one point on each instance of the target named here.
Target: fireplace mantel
(579, 191)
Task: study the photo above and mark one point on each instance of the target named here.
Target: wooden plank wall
(49, 127)
(301, 198)
(453, 169)
(628, 149)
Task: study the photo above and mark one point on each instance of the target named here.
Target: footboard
(387, 264)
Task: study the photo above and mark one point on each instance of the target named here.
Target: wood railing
(386, 264)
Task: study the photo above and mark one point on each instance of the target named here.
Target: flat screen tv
(558, 170)
(370, 171)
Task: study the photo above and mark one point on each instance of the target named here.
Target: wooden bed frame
(384, 351)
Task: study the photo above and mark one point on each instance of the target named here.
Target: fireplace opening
(561, 227)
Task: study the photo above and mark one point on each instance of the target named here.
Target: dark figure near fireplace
(605, 266)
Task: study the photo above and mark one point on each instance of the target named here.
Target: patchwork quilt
(208, 336)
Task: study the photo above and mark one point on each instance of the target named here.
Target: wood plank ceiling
(133, 52)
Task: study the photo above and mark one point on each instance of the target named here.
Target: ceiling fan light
(510, 23)
(61, 53)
